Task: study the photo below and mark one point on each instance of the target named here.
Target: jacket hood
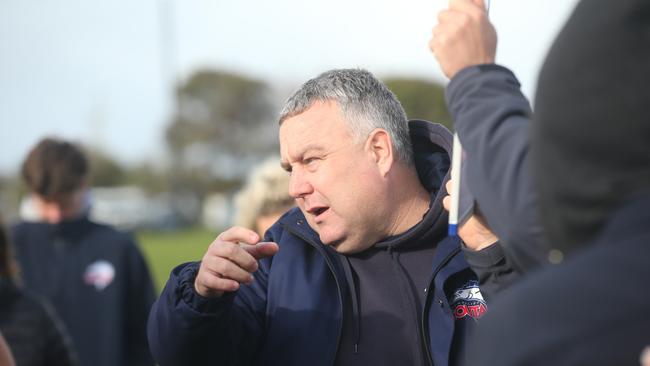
(432, 145)
(591, 130)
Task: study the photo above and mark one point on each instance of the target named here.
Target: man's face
(335, 180)
(64, 207)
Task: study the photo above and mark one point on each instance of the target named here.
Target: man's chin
(335, 243)
(338, 246)
(342, 246)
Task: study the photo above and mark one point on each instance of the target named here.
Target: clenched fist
(463, 37)
(231, 259)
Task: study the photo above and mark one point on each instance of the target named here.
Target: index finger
(262, 249)
(448, 186)
(238, 234)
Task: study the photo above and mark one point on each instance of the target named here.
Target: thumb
(262, 249)
(480, 3)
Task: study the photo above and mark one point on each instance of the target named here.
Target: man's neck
(411, 200)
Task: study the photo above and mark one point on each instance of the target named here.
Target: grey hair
(366, 104)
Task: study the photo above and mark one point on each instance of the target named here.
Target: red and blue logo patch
(468, 301)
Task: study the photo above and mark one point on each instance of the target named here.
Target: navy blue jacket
(98, 282)
(292, 314)
(492, 118)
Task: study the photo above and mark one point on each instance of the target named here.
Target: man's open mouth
(317, 211)
(320, 210)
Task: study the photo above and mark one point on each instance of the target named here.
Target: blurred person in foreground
(95, 276)
(589, 164)
(29, 324)
(360, 273)
(264, 198)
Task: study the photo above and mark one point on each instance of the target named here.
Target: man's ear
(380, 149)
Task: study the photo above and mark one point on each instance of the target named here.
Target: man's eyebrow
(308, 148)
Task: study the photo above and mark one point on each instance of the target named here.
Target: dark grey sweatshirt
(383, 312)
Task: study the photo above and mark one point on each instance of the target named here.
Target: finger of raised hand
(207, 284)
(446, 202)
(234, 253)
(262, 249)
(224, 268)
(445, 16)
(480, 3)
(238, 234)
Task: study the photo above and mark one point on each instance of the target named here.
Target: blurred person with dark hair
(95, 276)
(29, 324)
(264, 198)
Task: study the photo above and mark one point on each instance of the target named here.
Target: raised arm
(492, 118)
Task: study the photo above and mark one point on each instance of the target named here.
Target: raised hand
(474, 232)
(230, 260)
(463, 37)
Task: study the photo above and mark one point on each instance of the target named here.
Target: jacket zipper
(321, 250)
(427, 303)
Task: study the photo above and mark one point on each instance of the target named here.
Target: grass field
(165, 250)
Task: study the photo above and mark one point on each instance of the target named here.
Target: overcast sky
(101, 71)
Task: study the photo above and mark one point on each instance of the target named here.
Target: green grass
(165, 250)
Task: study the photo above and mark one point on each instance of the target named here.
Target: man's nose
(299, 185)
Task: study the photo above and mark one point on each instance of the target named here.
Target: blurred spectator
(264, 198)
(33, 332)
(94, 275)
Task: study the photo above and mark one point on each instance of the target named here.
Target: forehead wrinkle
(297, 155)
(315, 129)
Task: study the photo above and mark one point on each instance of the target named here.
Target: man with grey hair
(361, 272)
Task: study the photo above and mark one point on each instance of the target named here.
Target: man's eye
(287, 169)
(310, 161)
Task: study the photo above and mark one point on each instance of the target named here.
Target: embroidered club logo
(99, 274)
(468, 301)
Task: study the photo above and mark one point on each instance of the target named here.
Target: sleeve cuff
(484, 258)
(464, 80)
(200, 304)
